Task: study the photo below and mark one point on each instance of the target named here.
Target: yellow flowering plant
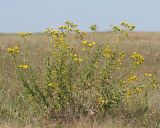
(86, 74)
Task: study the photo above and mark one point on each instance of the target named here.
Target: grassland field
(15, 112)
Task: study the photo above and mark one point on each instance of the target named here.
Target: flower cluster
(14, 50)
(94, 27)
(24, 66)
(138, 59)
(129, 27)
(152, 81)
(88, 44)
(76, 58)
(124, 26)
(107, 52)
(116, 28)
(133, 78)
(24, 34)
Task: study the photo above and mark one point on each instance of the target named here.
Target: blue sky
(36, 15)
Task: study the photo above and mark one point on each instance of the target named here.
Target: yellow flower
(149, 74)
(67, 22)
(129, 93)
(90, 45)
(53, 53)
(107, 53)
(53, 85)
(133, 78)
(75, 55)
(76, 59)
(101, 101)
(71, 54)
(69, 29)
(119, 61)
(23, 66)
(85, 42)
(77, 30)
(93, 43)
(138, 59)
(63, 27)
(138, 90)
(14, 50)
(83, 49)
(79, 60)
(154, 86)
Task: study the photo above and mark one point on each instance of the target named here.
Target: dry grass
(148, 44)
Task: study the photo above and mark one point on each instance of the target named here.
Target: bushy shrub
(84, 78)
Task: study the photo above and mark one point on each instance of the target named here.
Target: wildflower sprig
(137, 58)
(124, 27)
(76, 58)
(132, 78)
(14, 50)
(24, 34)
(94, 27)
(152, 81)
(127, 26)
(116, 28)
(88, 44)
(23, 66)
(107, 52)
